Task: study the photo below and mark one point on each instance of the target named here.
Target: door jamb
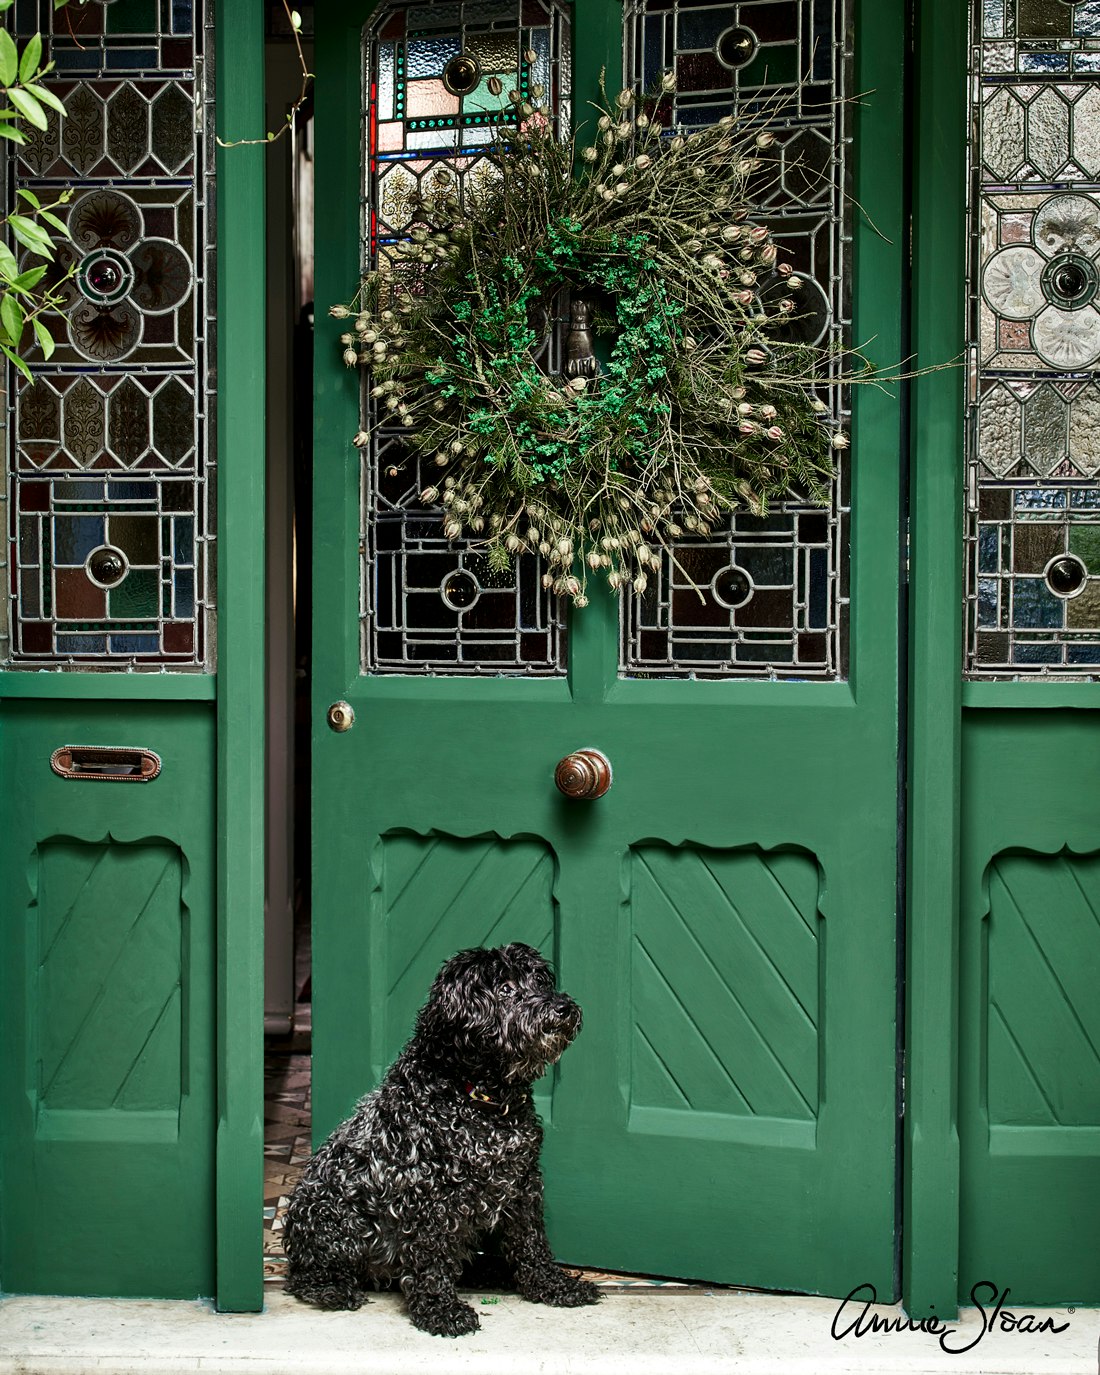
(239, 49)
(930, 1236)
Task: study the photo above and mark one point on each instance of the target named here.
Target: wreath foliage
(702, 403)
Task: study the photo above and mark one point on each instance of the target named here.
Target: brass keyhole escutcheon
(583, 775)
(341, 716)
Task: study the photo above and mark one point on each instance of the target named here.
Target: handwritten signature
(854, 1318)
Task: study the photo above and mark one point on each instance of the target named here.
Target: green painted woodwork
(1002, 1136)
(239, 33)
(1029, 1107)
(734, 891)
(107, 998)
(931, 1178)
(131, 1141)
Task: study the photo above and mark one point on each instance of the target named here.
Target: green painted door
(1003, 1141)
(725, 915)
(1029, 902)
(131, 688)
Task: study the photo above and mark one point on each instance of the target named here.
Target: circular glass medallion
(460, 590)
(1065, 224)
(1070, 281)
(736, 47)
(107, 566)
(162, 275)
(1067, 339)
(1011, 283)
(731, 587)
(461, 74)
(104, 334)
(105, 277)
(105, 217)
(1065, 575)
(809, 321)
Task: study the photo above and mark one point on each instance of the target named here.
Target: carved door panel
(726, 913)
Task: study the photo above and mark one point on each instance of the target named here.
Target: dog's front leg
(539, 1277)
(428, 1284)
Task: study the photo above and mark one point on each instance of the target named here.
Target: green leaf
(6, 131)
(47, 97)
(6, 5)
(7, 352)
(28, 280)
(11, 317)
(28, 106)
(9, 59)
(32, 56)
(8, 264)
(59, 225)
(29, 197)
(30, 236)
(45, 338)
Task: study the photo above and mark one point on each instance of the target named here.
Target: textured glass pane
(108, 451)
(1033, 437)
(767, 597)
(430, 605)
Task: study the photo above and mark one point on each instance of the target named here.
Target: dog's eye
(507, 990)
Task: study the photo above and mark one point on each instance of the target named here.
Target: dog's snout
(566, 1014)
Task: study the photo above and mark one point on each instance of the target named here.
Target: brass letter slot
(107, 763)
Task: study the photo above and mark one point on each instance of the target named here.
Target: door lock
(341, 716)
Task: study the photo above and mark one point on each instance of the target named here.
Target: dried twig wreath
(703, 402)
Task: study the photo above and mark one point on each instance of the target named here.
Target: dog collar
(474, 1093)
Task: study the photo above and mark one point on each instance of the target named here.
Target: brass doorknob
(341, 717)
(584, 774)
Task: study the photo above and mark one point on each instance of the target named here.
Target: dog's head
(498, 1012)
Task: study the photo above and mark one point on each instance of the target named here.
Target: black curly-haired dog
(443, 1154)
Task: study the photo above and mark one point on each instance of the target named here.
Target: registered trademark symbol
(1071, 1310)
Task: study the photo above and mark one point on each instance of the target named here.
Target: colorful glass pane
(430, 605)
(1033, 425)
(792, 620)
(112, 440)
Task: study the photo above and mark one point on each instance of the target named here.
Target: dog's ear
(461, 992)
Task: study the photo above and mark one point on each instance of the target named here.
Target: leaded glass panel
(768, 597)
(110, 457)
(428, 604)
(1033, 407)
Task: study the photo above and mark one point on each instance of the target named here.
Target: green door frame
(239, 43)
(930, 1217)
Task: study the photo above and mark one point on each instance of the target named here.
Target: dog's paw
(331, 1294)
(560, 1289)
(456, 1319)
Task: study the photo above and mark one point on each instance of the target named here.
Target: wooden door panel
(108, 1009)
(437, 894)
(1030, 1030)
(719, 1025)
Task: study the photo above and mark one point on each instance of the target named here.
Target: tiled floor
(286, 1146)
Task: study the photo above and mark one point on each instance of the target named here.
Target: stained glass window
(768, 597)
(109, 507)
(430, 73)
(1033, 406)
